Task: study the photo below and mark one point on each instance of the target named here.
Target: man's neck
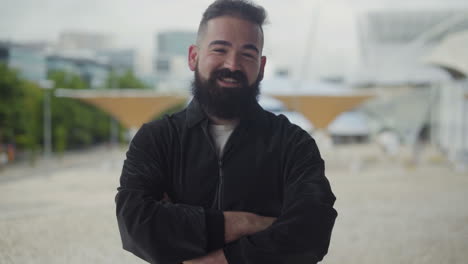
(220, 121)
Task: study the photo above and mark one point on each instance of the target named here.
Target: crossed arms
(236, 225)
(163, 232)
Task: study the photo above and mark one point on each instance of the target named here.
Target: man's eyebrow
(227, 43)
(220, 42)
(251, 47)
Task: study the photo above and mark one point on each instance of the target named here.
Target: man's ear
(262, 67)
(193, 57)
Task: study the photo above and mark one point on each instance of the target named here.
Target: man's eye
(219, 50)
(248, 55)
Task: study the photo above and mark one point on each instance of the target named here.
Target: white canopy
(451, 53)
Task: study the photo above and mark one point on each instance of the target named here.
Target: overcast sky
(135, 23)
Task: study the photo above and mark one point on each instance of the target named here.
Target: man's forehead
(231, 28)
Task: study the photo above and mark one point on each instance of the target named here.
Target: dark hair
(242, 9)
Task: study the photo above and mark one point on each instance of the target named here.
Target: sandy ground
(62, 210)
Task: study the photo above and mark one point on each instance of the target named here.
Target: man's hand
(239, 224)
(166, 198)
(215, 257)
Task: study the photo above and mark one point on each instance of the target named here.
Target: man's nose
(232, 62)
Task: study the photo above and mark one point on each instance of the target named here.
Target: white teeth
(229, 80)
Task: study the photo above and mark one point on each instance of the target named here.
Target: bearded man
(224, 181)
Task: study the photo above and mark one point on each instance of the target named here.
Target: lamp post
(47, 85)
(114, 125)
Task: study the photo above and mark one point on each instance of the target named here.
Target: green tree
(75, 124)
(20, 110)
(63, 79)
(126, 80)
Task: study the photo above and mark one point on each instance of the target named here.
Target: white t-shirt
(220, 134)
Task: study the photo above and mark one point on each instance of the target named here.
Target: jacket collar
(196, 114)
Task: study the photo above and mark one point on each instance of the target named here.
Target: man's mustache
(226, 73)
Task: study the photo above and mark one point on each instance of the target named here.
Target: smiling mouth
(229, 81)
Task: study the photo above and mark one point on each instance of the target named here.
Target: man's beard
(226, 102)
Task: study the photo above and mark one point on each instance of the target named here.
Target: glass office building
(29, 61)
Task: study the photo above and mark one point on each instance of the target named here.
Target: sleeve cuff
(214, 220)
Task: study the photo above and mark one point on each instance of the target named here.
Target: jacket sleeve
(151, 228)
(301, 233)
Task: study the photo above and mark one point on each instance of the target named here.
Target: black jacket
(270, 167)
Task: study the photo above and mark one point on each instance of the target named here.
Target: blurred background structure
(381, 85)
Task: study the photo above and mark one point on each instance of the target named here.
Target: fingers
(263, 222)
(166, 198)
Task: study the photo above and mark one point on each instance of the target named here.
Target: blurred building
(149, 79)
(392, 42)
(28, 59)
(93, 72)
(170, 63)
(450, 112)
(120, 60)
(71, 40)
(92, 56)
(175, 43)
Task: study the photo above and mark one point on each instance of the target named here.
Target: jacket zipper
(220, 183)
(220, 171)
